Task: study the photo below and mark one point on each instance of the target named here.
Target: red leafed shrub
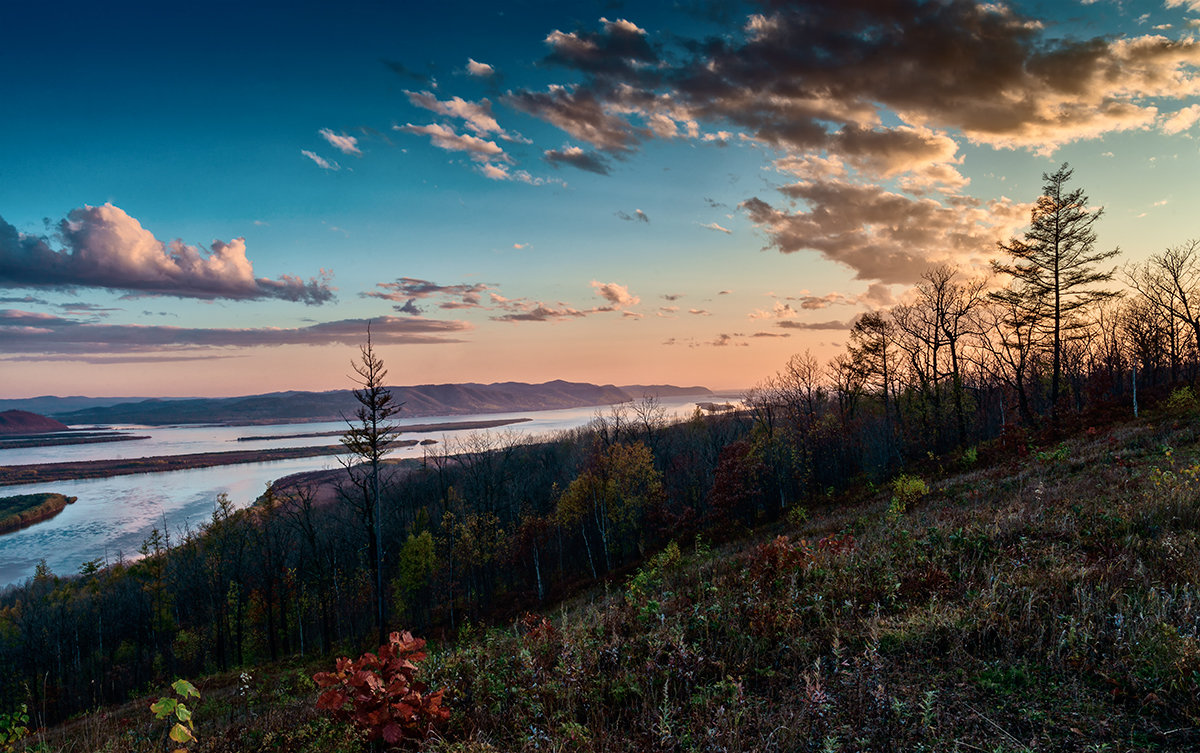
(778, 556)
(837, 544)
(380, 694)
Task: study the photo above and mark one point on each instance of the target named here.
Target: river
(113, 516)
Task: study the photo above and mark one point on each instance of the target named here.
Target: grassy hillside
(1008, 600)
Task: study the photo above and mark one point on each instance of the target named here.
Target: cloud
(408, 289)
(718, 228)
(815, 325)
(637, 216)
(538, 312)
(502, 172)
(720, 341)
(1192, 5)
(410, 307)
(699, 312)
(103, 247)
(321, 161)
(444, 137)
(576, 157)
(477, 116)
(521, 246)
(524, 310)
(618, 295)
(878, 295)
(883, 235)
(404, 72)
(340, 141)
(1182, 120)
(582, 115)
(882, 91)
(620, 48)
(671, 296)
(780, 311)
(475, 68)
(28, 332)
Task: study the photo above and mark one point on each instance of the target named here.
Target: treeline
(493, 525)
(480, 528)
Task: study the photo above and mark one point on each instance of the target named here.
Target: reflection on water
(114, 515)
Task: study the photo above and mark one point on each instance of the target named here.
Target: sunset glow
(217, 200)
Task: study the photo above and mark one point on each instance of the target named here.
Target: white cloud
(340, 141)
(1181, 120)
(476, 68)
(321, 161)
(107, 248)
(617, 295)
(444, 137)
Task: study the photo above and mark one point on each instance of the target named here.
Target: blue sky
(215, 198)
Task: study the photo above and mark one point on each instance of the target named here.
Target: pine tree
(1054, 267)
(369, 440)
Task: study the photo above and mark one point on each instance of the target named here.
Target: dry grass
(1050, 602)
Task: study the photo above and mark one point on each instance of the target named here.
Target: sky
(216, 198)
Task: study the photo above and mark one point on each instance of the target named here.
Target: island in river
(26, 509)
(84, 469)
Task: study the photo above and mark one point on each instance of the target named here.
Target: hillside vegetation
(26, 509)
(17, 422)
(1006, 600)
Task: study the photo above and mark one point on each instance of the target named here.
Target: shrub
(184, 729)
(906, 490)
(969, 457)
(13, 727)
(1182, 403)
(380, 694)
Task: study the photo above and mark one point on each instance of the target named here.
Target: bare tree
(1171, 282)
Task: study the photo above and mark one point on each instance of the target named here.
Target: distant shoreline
(25, 510)
(58, 440)
(89, 469)
(403, 429)
(85, 469)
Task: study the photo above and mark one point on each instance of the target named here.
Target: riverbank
(86, 469)
(402, 429)
(26, 509)
(63, 440)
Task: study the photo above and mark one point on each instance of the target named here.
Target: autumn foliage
(379, 693)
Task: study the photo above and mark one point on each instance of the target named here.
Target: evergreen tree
(369, 440)
(1054, 269)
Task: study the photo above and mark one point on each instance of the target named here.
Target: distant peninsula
(419, 400)
(26, 509)
(15, 422)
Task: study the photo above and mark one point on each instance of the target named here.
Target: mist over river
(113, 516)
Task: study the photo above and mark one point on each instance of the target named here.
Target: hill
(294, 406)
(1012, 598)
(24, 422)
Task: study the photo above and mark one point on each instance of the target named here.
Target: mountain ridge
(418, 400)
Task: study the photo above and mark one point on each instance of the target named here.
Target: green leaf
(181, 734)
(183, 713)
(185, 688)
(164, 708)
